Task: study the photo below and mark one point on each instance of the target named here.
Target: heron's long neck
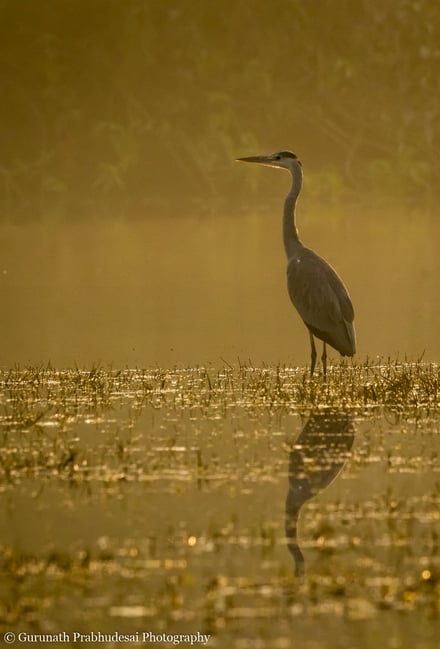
(291, 529)
(290, 233)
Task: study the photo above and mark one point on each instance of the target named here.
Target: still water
(188, 290)
(249, 504)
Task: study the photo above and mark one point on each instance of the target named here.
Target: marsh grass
(44, 408)
(196, 462)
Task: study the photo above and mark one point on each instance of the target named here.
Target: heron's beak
(262, 159)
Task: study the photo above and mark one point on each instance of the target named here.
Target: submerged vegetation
(173, 483)
(350, 384)
(43, 407)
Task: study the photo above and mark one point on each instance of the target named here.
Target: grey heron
(315, 289)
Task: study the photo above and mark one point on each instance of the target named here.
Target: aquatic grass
(182, 475)
(45, 413)
(32, 397)
(363, 588)
(349, 384)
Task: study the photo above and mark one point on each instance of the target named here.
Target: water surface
(160, 500)
(186, 290)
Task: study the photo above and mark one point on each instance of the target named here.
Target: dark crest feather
(288, 154)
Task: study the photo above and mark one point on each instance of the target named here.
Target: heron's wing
(320, 297)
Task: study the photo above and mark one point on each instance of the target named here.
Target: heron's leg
(313, 354)
(324, 360)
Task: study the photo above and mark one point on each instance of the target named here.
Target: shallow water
(155, 501)
(187, 290)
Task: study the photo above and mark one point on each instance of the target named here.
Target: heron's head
(282, 159)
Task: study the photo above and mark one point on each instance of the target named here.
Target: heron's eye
(277, 157)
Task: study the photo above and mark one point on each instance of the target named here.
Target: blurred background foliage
(133, 106)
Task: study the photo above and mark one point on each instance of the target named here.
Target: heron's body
(323, 303)
(316, 290)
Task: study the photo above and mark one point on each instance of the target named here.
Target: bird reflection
(318, 456)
